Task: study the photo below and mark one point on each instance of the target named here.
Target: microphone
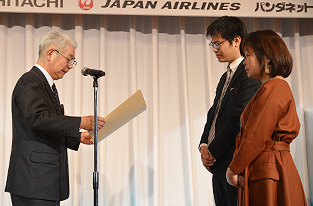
(92, 72)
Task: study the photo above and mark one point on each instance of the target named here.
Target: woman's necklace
(276, 77)
(267, 80)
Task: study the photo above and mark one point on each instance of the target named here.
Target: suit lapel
(43, 79)
(220, 86)
(239, 70)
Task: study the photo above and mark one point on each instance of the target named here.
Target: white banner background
(240, 8)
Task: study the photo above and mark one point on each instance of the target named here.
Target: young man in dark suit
(38, 168)
(233, 92)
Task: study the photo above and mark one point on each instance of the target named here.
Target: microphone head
(84, 71)
(92, 72)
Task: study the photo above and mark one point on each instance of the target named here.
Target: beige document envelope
(129, 109)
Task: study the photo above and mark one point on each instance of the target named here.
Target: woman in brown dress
(262, 166)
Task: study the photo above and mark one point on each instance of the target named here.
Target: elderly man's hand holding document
(129, 109)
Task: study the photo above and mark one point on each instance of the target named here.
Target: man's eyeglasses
(216, 45)
(71, 62)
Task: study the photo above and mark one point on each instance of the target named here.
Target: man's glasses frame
(71, 62)
(217, 45)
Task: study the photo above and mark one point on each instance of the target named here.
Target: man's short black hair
(228, 27)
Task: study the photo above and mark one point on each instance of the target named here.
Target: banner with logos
(240, 8)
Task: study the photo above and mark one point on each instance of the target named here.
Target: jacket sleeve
(73, 143)
(210, 114)
(36, 108)
(228, 122)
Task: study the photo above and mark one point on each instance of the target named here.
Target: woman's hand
(234, 179)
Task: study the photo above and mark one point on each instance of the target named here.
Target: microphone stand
(96, 75)
(95, 173)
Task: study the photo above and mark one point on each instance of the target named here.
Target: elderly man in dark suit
(233, 92)
(38, 170)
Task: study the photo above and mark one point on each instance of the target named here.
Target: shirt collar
(47, 75)
(234, 65)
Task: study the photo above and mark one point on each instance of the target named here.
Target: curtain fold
(154, 159)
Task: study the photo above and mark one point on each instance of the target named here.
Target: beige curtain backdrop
(153, 160)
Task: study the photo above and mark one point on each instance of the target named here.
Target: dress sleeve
(258, 125)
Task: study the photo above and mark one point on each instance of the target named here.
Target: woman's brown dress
(268, 125)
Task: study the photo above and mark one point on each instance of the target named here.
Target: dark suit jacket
(238, 94)
(41, 135)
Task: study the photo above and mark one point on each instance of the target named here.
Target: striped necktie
(218, 106)
(56, 94)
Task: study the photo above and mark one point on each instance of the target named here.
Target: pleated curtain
(153, 160)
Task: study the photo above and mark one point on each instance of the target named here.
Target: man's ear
(237, 41)
(49, 54)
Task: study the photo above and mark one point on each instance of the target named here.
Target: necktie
(218, 106)
(56, 94)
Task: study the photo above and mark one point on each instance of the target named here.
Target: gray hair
(60, 40)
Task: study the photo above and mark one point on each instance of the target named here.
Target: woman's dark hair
(268, 43)
(228, 27)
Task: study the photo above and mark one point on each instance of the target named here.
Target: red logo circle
(87, 5)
